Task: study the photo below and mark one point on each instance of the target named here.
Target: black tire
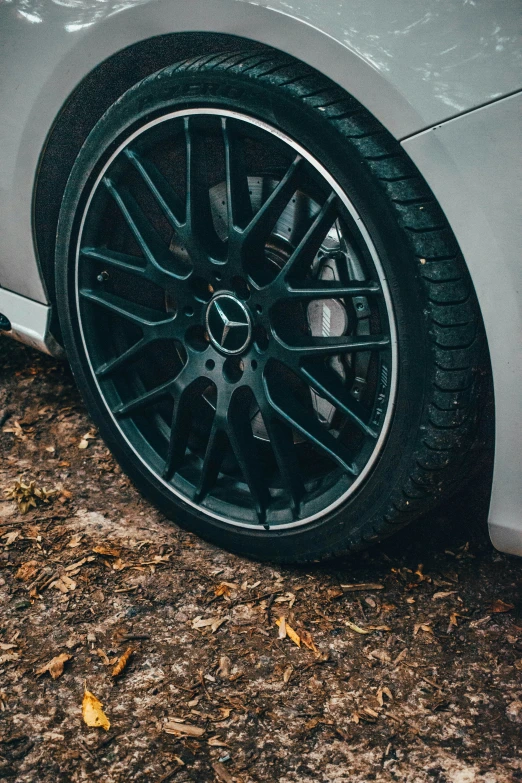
(440, 340)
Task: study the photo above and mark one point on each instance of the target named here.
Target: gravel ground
(413, 676)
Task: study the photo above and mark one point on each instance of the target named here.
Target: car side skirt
(29, 322)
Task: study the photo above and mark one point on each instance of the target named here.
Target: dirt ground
(415, 676)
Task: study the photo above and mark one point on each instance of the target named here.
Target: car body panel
(414, 66)
(29, 321)
(473, 166)
(410, 68)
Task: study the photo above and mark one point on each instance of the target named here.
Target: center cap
(228, 324)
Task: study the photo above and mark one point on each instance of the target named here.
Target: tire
(280, 464)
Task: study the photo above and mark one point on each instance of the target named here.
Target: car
(279, 244)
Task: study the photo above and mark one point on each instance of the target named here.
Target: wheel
(265, 310)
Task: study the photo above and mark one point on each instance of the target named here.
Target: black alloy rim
(236, 319)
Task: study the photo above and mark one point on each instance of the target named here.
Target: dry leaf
(64, 584)
(55, 666)
(122, 662)
(224, 667)
(11, 537)
(225, 588)
(288, 631)
(334, 592)
(8, 657)
(381, 655)
(422, 627)
(28, 495)
(362, 587)
(307, 640)
(182, 729)
(103, 656)
(384, 691)
(84, 442)
(498, 606)
(217, 742)
(108, 551)
(443, 594)
(92, 712)
(27, 570)
(222, 774)
(356, 628)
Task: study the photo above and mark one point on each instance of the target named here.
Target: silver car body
(444, 78)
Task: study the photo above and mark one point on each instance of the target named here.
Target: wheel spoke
(245, 449)
(329, 289)
(239, 205)
(180, 427)
(127, 356)
(121, 261)
(142, 316)
(212, 460)
(262, 223)
(282, 443)
(304, 347)
(161, 189)
(294, 413)
(302, 257)
(328, 384)
(199, 226)
(145, 400)
(154, 249)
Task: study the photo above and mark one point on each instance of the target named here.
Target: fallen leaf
(108, 551)
(363, 586)
(28, 495)
(498, 606)
(122, 662)
(8, 657)
(64, 584)
(92, 712)
(287, 673)
(222, 773)
(182, 729)
(422, 627)
(381, 655)
(225, 588)
(11, 537)
(288, 631)
(307, 640)
(101, 654)
(442, 594)
(217, 742)
(334, 592)
(27, 570)
(381, 693)
(55, 666)
(356, 628)
(84, 442)
(224, 667)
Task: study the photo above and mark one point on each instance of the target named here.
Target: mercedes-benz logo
(228, 324)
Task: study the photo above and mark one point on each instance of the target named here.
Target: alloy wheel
(236, 318)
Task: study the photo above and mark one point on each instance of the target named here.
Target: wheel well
(84, 107)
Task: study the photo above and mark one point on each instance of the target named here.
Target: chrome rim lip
(378, 267)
